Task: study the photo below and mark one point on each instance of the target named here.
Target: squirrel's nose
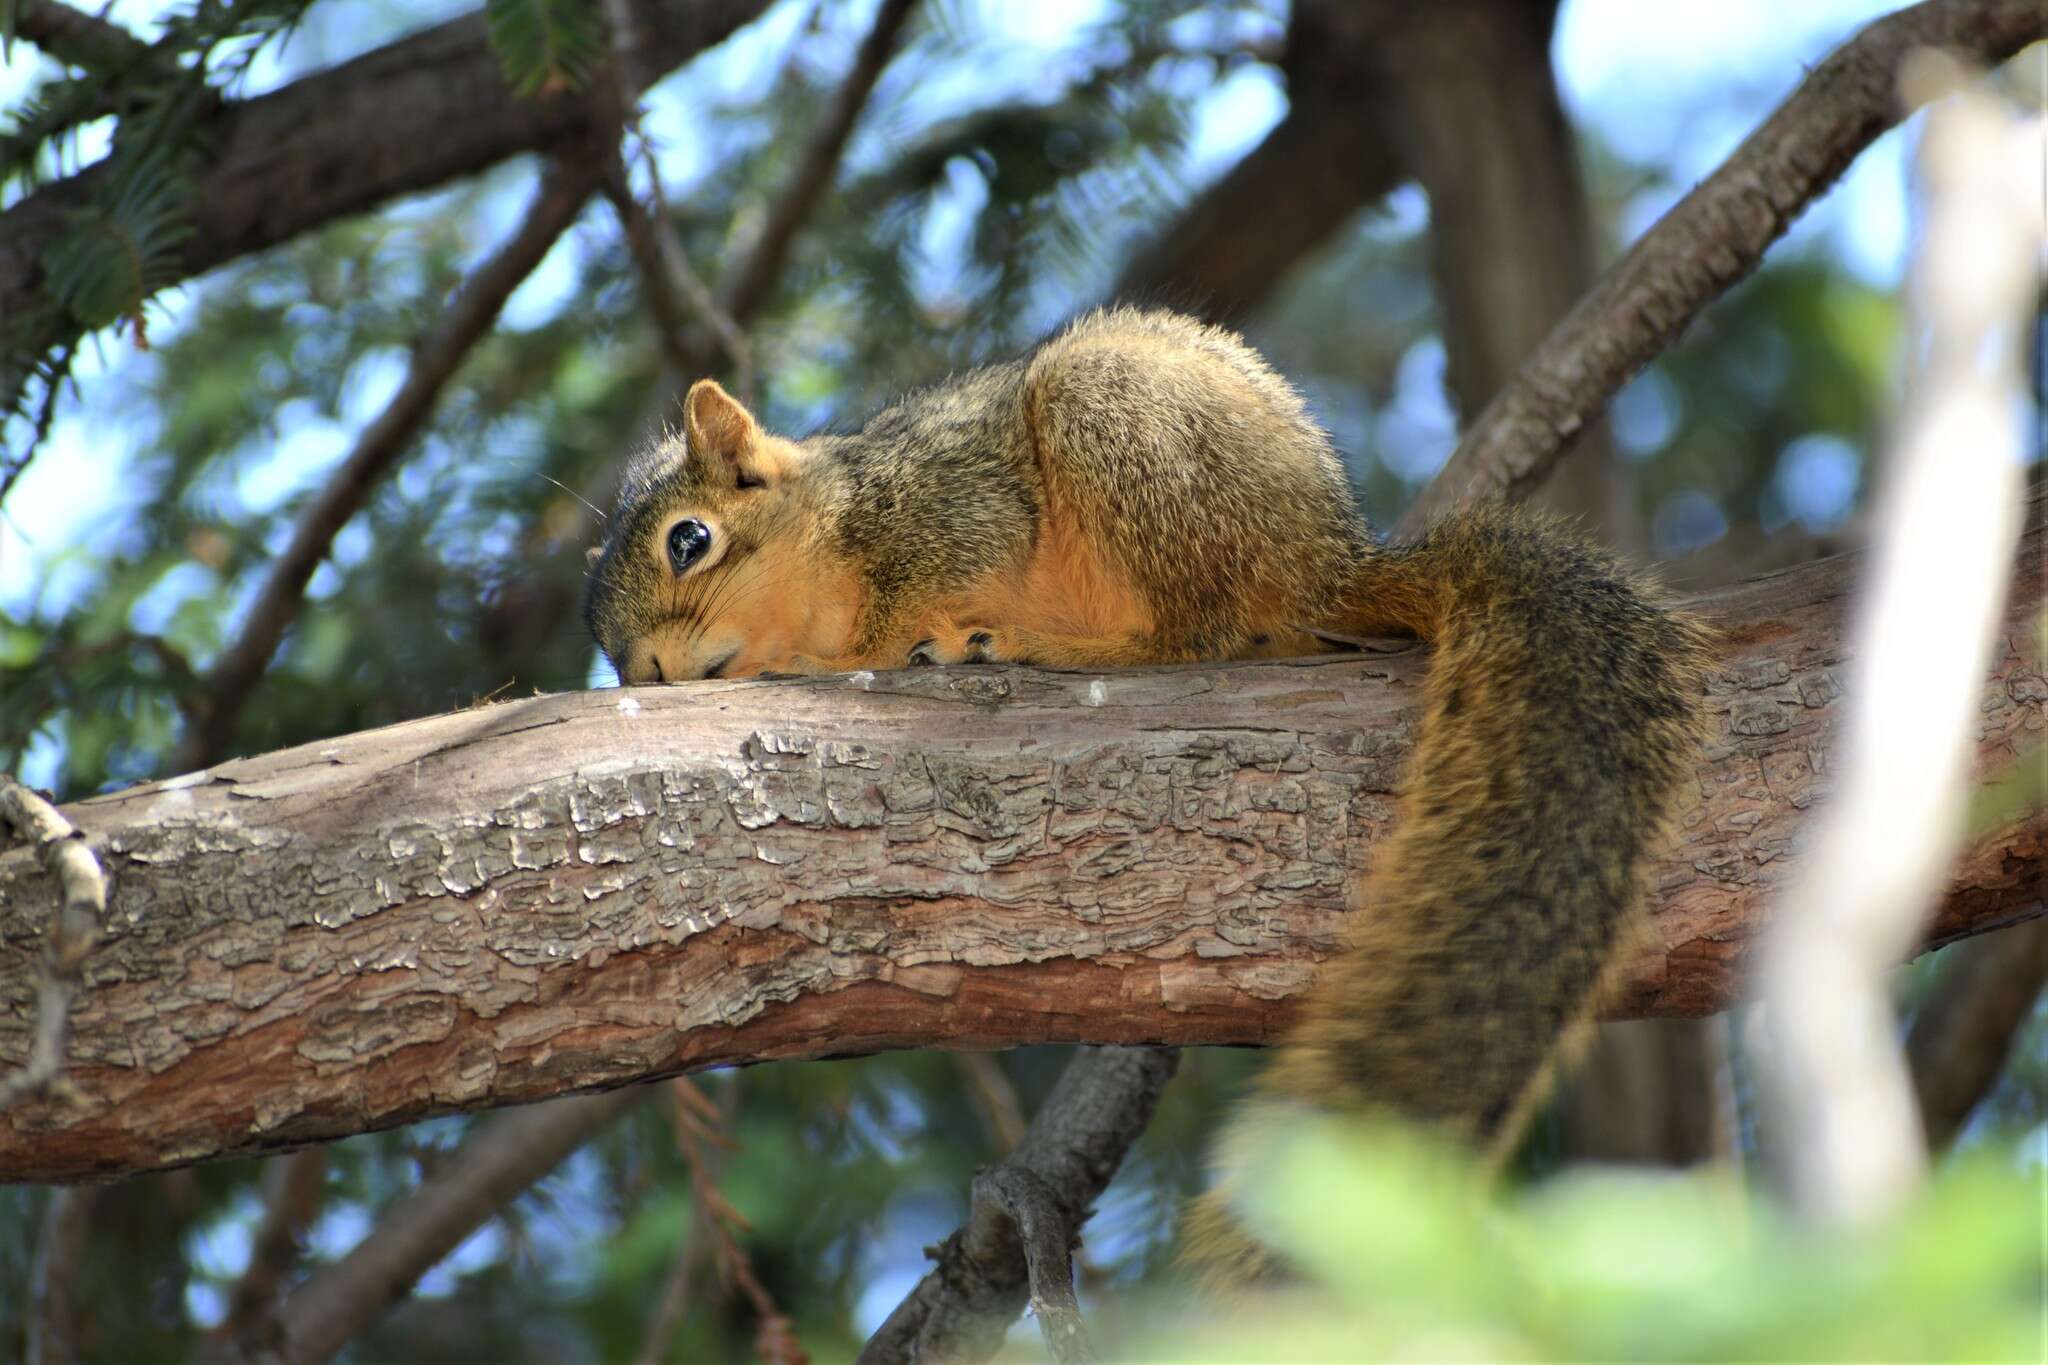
(679, 667)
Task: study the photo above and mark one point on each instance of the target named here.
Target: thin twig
(67, 941)
(467, 320)
(753, 280)
(1929, 617)
(697, 1124)
(702, 1132)
(293, 1188)
(500, 1159)
(674, 290)
(675, 293)
(674, 1301)
(1708, 242)
(54, 1325)
(962, 1308)
(995, 1099)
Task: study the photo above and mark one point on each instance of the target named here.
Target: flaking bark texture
(580, 891)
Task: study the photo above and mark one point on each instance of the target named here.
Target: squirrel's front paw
(959, 647)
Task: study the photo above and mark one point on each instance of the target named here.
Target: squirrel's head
(702, 557)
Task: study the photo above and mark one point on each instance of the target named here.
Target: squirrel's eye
(688, 540)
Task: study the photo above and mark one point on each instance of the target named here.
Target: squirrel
(1143, 488)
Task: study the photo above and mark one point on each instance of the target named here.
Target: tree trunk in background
(1479, 122)
(1326, 160)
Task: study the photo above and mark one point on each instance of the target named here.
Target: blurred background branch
(1932, 614)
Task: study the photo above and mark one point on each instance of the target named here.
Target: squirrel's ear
(723, 436)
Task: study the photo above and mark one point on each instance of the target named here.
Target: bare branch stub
(68, 939)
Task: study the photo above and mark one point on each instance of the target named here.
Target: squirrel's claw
(956, 647)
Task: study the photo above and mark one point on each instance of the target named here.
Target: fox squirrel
(1143, 488)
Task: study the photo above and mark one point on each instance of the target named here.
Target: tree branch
(576, 891)
(1962, 1035)
(53, 1324)
(76, 38)
(1929, 618)
(762, 266)
(1025, 1216)
(293, 1187)
(1708, 242)
(470, 314)
(344, 140)
(674, 291)
(496, 1162)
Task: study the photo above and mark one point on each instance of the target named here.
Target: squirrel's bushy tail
(1560, 716)
(1559, 721)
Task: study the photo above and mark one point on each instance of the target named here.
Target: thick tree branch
(1708, 242)
(1025, 1215)
(497, 1162)
(345, 140)
(470, 314)
(1962, 1035)
(576, 891)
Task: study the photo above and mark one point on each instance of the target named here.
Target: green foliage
(135, 214)
(121, 248)
(1403, 1260)
(546, 46)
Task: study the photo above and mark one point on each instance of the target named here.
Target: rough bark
(580, 891)
(344, 140)
(1709, 241)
